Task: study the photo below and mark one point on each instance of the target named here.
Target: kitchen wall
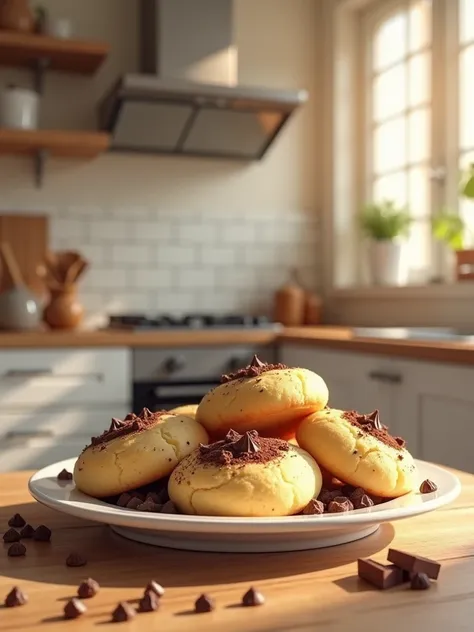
(183, 234)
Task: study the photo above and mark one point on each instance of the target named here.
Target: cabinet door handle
(389, 378)
(27, 373)
(32, 434)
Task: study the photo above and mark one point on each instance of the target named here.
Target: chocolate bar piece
(414, 563)
(380, 575)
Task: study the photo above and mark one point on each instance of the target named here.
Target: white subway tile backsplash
(147, 278)
(239, 233)
(175, 256)
(196, 278)
(203, 233)
(131, 255)
(111, 278)
(159, 232)
(214, 255)
(104, 230)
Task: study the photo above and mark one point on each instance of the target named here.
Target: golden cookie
(135, 452)
(188, 409)
(245, 475)
(358, 450)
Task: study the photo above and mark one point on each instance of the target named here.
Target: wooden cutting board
(28, 238)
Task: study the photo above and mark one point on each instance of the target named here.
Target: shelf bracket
(41, 157)
(41, 66)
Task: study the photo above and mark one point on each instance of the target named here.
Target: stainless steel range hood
(187, 101)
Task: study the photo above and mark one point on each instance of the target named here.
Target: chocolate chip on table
(313, 508)
(123, 499)
(340, 504)
(64, 475)
(380, 575)
(74, 609)
(204, 603)
(169, 507)
(253, 597)
(27, 532)
(75, 559)
(156, 588)
(88, 588)
(362, 502)
(123, 612)
(420, 581)
(428, 486)
(42, 533)
(12, 535)
(15, 597)
(17, 521)
(414, 563)
(149, 602)
(17, 549)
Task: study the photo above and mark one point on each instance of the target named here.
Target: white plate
(240, 535)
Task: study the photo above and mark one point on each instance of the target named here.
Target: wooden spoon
(11, 264)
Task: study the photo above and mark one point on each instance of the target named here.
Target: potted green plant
(386, 224)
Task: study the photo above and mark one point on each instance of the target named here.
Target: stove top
(139, 322)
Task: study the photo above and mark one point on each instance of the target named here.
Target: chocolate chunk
(15, 597)
(370, 424)
(313, 508)
(204, 603)
(11, 535)
(116, 424)
(246, 443)
(253, 598)
(232, 436)
(88, 588)
(64, 475)
(134, 503)
(420, 581)
(156, 588)
(124, 499)
(123, 612)
(362, 502)
(169, 508)
(42, 534)
(150, 506)
(374, 419)
(154, 498)
(257, 362)
(401, 442)
(149, 602)
(347, 490)
(325, 495)
(414, 563)
(27, 532)
(356, 494)
(17, 549)
(74, 609)
(75, 559)
(17, 521)
(428, 486)
(340, 504)
(254, 369)
(380, 575)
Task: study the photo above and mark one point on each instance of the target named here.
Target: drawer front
(66, 376)
(197, 363)
(38, 453)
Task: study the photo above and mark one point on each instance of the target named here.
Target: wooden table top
(304, 591)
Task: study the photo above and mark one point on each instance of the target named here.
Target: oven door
(166, 395)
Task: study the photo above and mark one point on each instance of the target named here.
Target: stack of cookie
(262, 443)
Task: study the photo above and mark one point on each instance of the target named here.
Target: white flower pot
(59, 27)
(19, 108)
(385, 260)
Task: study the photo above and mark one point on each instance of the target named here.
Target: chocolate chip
(347, 490)
(420, 581)
(313, 508)
(257, 362)
(340, 504)
(17, 549)
(17, 521)
(15, 597)
(149, 602)
(253, 598)
(156, 588)
(75, 559)
(169, 508)
(124, 499)
(74, 609)
(27, 532)
(64, 475)
(134, 503)
(42, 534)
(204, 603)
(363, 502)
(246, 443)
(88, 588)
(123, 612)
(116, 424)
(401, 442)
(428, 486)
(150, 506)
(325, 496)
(11, 535)
(356, 494)
(154, 498)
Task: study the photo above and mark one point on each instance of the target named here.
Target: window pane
(390, 146)
(390, 92)
(420, 24)
(419, 135)
(390, 41)
(420, 79)
(392, 187)
(466, 21)
(419, 192)
(417, 252)
(466, 90)
(466, 207)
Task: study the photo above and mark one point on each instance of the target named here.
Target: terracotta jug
(16, 15)
(290, 302)
(63, 311)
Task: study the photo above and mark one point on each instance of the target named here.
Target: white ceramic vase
(19, 108)
(385, 260)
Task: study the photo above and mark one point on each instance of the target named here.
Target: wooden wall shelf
(42, 144)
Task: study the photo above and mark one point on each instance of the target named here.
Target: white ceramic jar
(19, 108)
(59, 27)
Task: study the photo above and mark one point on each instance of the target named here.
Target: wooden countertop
(330, 337)
(305, 591)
